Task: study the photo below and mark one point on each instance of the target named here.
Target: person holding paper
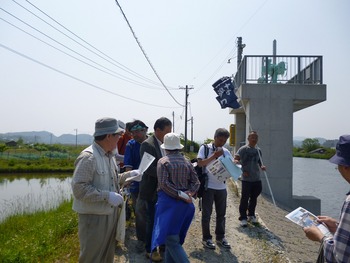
(249, 157)
(177, 183)
(96, 192)
(336, 248)
(215, 191)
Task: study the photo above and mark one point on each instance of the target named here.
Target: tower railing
(280, 69)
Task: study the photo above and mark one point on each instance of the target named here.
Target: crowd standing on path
(215, 191)
(249, 156)
(96, 192)
(336, 248)
(163, 200)
(177, 183)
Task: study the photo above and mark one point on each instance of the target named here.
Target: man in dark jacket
(149, 182)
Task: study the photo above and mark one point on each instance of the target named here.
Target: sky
(65, 64)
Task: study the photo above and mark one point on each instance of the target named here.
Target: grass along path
(47, 236)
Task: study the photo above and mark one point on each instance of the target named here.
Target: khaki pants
(97, 237)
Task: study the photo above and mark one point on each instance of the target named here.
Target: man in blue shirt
(132, 160)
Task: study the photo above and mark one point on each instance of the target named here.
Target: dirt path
(275, 239)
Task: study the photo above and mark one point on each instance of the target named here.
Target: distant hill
(47, 138)
(86, 139)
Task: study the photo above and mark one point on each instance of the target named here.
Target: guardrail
(280, 69)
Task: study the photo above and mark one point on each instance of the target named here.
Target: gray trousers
(97, 237)
(219, 199)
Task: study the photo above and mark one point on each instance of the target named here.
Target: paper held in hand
(305, 218)
(146, 161)
(224, 168)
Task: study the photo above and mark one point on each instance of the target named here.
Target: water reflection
(25, 193)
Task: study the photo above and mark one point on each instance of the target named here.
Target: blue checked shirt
(337, 249)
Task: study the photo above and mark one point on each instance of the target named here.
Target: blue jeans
(174, 252)
(249, 196)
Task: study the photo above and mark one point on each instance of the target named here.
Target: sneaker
(154, 256)
(208, 244)
(224, 243)
(244, 223)
(252, 219)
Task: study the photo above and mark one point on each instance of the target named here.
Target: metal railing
(280, 69)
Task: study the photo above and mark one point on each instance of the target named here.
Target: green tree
(310, 144)
(3, 148)
(20, 141)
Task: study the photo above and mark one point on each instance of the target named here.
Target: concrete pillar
(268, 109)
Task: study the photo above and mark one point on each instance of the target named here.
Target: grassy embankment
(46, 236)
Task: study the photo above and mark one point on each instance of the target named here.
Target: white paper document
(234, 169)
(217, 169)
(224, 168)
(146, 161)
(305, 218)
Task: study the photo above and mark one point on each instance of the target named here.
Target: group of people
(163, 197)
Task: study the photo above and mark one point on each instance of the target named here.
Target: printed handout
(305, 218)
(224, 168)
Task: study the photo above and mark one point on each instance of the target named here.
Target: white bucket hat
(172, 142)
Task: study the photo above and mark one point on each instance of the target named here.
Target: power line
(234, 37)
(117, 75)
(144, 53)
(111, 60)
(78, 79)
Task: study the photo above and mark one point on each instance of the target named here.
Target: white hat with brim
(108, 126)
(172, 142)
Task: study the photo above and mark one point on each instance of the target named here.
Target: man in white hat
(177, 183)
(96, 192)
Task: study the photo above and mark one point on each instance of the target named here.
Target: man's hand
(219, 151)
(330, 222)
(135, 173)
(115, 199)
(313, 233)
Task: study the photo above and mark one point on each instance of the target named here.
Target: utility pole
(173, 122)
(192, 146)
(186, 98)
(76, 138)
(240, 47)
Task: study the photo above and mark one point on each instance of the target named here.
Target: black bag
(202, 176)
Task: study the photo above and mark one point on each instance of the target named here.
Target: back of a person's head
(161, 123)
(222, 132)
(128, 126)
